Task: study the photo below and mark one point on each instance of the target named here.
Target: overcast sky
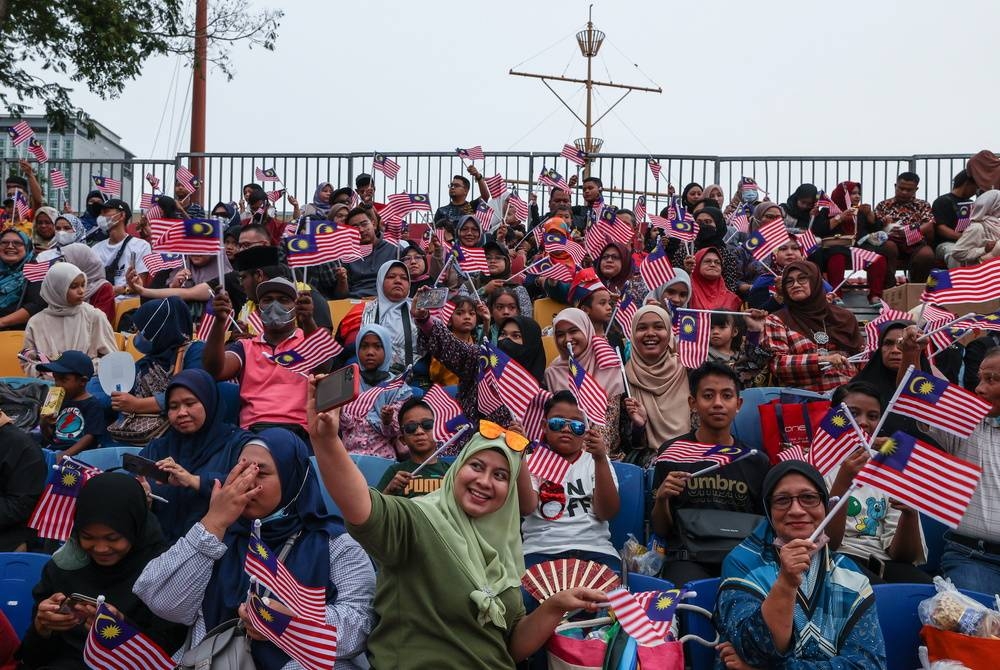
(775, 77)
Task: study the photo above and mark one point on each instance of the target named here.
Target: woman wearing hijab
(415, 260)
(43, 229)
(114, 537)
(377, 432)
(711, 234)
(201, 582)
(690, 196)
(469, 235)
(520, 337)
(978, 242)
(19, 298)
(714, 193)
(786, 600)
(800, 209)
(321, 201)
(498, 260)
(708, 288)
(338, 213)
(68, 322)
(449, 562)
(658, 383)
(808, 331)
(98, 292)
(69, 230)
(392, 309)
(198, 448)
(573, 328)
(616, 270)
(673, 294)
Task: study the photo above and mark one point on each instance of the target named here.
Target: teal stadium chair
(631, 514)
(695, 654)
(372, 467)
(331, 506)
(106, 458)
(19, 572)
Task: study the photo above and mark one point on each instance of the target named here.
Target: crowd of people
(424, 569)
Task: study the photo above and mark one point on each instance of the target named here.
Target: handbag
(789, 421)
(23, 403)
(141, 429)
(707, 535)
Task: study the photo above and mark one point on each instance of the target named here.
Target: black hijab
(684, 195)
(776, 473)
(531, 353)
(875, 371)
(715, 237)
(792, 208)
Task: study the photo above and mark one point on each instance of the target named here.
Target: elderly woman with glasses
(449, 562)
(787, 600)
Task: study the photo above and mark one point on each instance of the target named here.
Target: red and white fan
(546, 579)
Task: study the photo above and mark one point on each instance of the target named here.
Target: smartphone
(74, 600)
(144, 467)
(338, 388)
(433, 298)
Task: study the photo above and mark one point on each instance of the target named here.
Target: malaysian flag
(934, 401)
(114, 644)
(156, 263)
(654, 167)
(36, 149)
(976, 283)
(154, 181)
(936, 319)
(765, 240)
(550, 177)
(639, 209)
(385, 165)
(364, 403)
(484, 214)
(964, 216)
(107, 185)
(307, 602)
(574, 155)
(487, 393)
(633, 618)
(35, 272)
(834, 440)
(205, 325)
(194, 236)
(912, 234)
(330, 242)
(682, 227)
(604, 355)
(444, 312)
(655, 268)
(547, 466)
(685, 451)
(808, 243)
(862, 258)
(986, 321)
(316, 349)
(556, 241)
(887, 315)
(497, 186)
(187, 179)
(592, 398)
(392, 229)
(20, 133)
(515, 384)
(535, 416)
(312, 643)
(255, 322)
(605, 230)
(159, 226)
(740, 219)
(57, 179)
(659, 222)
(625, 313)
(695, 329)
(793, 452)
(470, 259)
(546, 267)
(519, 206)
(448, 416)
(471, 154)
(925, 478)
(21, 205)
(146, 200)
(824, 202)
(660, 608)
(270, 174)
(275, 196)
(53, 514)
(401, 204)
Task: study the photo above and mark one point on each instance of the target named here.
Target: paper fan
(546, 579)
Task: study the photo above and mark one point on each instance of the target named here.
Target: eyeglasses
(410, 427)
(491, 431)
(806, 500)
(610, 257)
(892, 343)
(801, 281)
(11, 243)
(556, 424)
(711, 261)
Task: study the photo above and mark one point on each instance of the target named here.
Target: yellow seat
(545, 309)
(551, 353)
(11, 344)
(127, 344)
(340, 308)
(123, 306)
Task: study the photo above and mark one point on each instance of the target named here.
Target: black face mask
(94, 208)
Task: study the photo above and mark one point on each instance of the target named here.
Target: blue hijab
(11, 276)
(301, 510)
(164, 325)
(209, 453)
(381, 375)
(321, 207)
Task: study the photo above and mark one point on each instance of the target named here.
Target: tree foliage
(103, 44)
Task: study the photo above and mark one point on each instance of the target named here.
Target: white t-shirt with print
(577, 529)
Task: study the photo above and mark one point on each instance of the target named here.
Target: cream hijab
(661, 386)
(55, 286)
(557, 374)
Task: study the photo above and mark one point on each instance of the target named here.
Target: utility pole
(590, 41)
(199, 91)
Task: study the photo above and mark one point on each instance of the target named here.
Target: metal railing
(625, 176)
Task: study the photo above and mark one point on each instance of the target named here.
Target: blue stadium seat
(631, 515)
(698, 655)
(746, 427)
(637, 583)
(50, 458)
(372, 467)
(106, 458)
(230, 395)
(19, 572)
(331, 506)
(934, 537)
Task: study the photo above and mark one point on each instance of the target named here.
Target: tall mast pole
(199, 92)
(589, 126)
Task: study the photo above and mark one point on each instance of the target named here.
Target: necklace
(822, 339)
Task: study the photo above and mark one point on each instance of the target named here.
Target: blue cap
(71, 362)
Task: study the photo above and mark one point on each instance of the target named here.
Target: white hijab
(389, 314)
(55, 286)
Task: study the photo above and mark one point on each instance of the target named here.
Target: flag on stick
(933, 400)
(156, 263)
(472, 154)
(385, 165)
(20, 133)
(695, 329)
(976, 283)
(519, 206)
(308, 602)
(107, 185)
(656, 269)
(834, 440)
(318, 348)
(270, 174)
(550, 177)
(36, 149)
(765, 240)
(685, 451)
(57, 179)
(547, 466)
(654, 167)
(114, 644)
(448, 415)
(497, 186)
(633, 618)
(313, 644)
(194, 236)
(592, 398)
(574, 155)
(53, 514)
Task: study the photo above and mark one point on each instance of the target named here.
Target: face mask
(105, 223)
(64, 237)
(94, 209)
(749, 195)
(283, 512)
(274, 315)
(143, 340)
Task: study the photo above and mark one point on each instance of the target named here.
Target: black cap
(120, 205)
(363, 179)
(70, 363)
(255, 258)
(341, 192)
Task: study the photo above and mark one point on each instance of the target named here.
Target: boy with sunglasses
(569, 518)
(416, 421)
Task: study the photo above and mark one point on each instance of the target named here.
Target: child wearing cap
(80, 423)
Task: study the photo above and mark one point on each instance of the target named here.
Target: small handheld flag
(574, 155)
(193, 236)
(654, 167)
(57, 179)
(634, 619)
(385, 165)
(448, 416)
(114, 644)
(547, 466)
(270, 174)
(519, 206)
(550, 177)
(36, 149)
(933, 400)
(685, 451)
(496, 185)
(656, 269)
(976, 283)
(20, 133)
(107, 185)
(315, 350)
(312, 644)
(308, 602)
(592, 398)
(964, 211)
(53, 514)
(471, 154)
(695, 330)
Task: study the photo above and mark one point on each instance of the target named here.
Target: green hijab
(488, 548)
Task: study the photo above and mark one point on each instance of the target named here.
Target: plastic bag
(953, 611)
(644, 560)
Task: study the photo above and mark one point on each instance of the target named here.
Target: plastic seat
(746, 426)
(106, 458)
(934, 537)
(123, 306)
(19, 572)
(637, 583)
(128, 344)
(11, 344)
(551, 352)
(340, 308)
(372, 467)
(698, 655)
(331, 506)
(630, 518)
(545, 309)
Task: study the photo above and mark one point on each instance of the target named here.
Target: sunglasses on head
(410, 427)
(491, 431)
(578, 427)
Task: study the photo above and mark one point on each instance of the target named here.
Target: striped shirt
(982, 448)
(795, 360)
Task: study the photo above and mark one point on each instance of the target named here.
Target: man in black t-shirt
(459, 205)
(684, 507)
(945, 210)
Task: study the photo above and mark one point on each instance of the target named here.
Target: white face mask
(105, 223)
(64, 237)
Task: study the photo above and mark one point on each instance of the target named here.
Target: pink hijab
(557, 374)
